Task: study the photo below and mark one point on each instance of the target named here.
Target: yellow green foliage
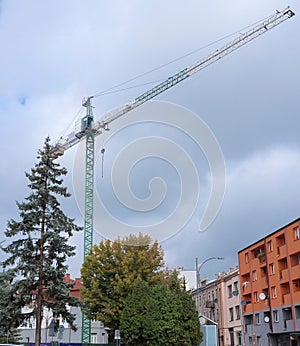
(110, 271)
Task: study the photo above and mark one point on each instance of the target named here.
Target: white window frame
(270, 245)
(93, 338)
(258, 340)
(254, 275)
(275, 316)
(247, 257)
(274, 292)
(296, 233)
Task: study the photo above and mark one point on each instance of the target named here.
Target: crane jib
(171, 81)
(257, 30)
(250, 35)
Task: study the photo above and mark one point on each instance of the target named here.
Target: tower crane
(89, 129)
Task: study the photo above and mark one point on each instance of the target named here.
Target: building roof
(75, 290)
(270, 234)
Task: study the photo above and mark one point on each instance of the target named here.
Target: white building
(64, 333)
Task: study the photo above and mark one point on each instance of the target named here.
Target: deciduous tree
(126, 286)
(110, 271)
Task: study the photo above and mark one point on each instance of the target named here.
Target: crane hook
(102, 152)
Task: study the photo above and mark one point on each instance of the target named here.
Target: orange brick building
(270, 288)
(75, 291)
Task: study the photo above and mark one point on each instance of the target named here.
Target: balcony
(288, 324)
(296, 297)
(263, 282)
(262, 259)
(295, 270)
(286, 299)
(247, 308)
(281, 251)
(283, 275)
(298, 323)
(246, 288)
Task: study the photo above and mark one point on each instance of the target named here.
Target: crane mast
(89, 130)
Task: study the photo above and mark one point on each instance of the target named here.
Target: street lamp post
(198, 282)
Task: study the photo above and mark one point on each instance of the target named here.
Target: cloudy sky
(54, 53)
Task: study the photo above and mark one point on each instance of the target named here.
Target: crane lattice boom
(74, 137)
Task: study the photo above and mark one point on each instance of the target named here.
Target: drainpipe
(290, 281)
(269, 289)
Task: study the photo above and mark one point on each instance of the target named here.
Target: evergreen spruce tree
(39, 249)
(8, 320)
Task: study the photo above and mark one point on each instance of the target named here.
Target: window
(229, 291)
(246, 257)
(255, 297)
(296, 233)
(239, 337)
(274, 292)
(93, 338)
(237, 312)
(257, 319)
(236, 286)
(250, 340)
(231, 333)
(271, 269)
(296, 285)
(258, 341)
(275, 316)
(254, 275)
(270, 245)
(230, 314)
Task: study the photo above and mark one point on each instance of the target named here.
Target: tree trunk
(39, 317)
(39, 312)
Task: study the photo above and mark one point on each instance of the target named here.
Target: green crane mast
(89, 200)
(90, 129)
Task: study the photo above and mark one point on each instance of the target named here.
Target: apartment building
(270, 288)
(230, 323)
(206, 298)
(218, 302)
